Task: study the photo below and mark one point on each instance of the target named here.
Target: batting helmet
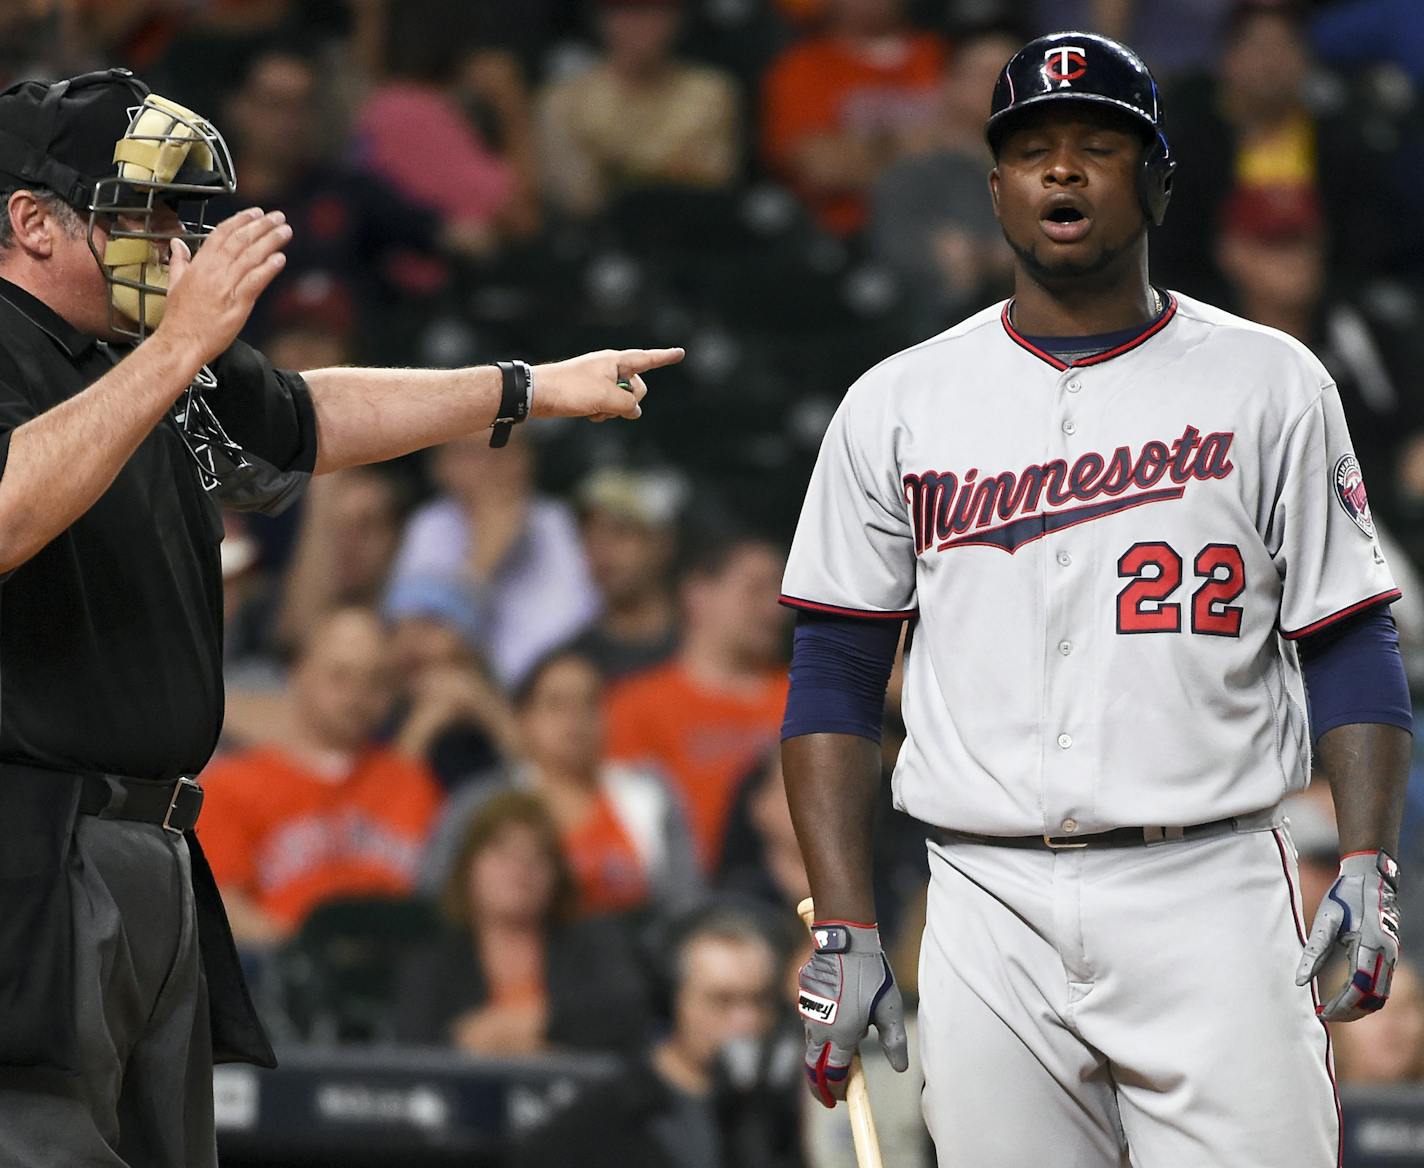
(1082, 66)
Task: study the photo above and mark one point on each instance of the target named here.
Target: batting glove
(1360, 916)
(845, 987)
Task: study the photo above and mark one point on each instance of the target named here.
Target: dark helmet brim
(998, 126)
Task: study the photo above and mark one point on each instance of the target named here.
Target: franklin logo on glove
(821, 1009)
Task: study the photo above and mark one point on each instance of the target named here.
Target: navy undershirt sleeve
(1354, 674)
(840, 667)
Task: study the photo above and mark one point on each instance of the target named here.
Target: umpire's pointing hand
(845, 986)
(599, 385)
(211, 295)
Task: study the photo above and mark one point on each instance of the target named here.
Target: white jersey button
(1065, 647)
(1070, 426)
(1070, 826)
(1074, 386)
(1064, 559)
(1065, 741)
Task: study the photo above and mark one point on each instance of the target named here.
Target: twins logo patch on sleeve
(1350, 490)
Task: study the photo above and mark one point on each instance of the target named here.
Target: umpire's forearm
(370, 415)
(367, 415)
(1368, 767)
(831, 781)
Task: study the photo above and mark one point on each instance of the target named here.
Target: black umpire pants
(144, 1097)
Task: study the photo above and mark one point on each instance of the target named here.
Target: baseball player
(1129, 537)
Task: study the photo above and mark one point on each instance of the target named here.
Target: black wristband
(514, 400)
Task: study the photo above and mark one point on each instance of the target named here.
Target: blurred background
(498, 813)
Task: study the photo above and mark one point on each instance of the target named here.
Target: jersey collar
(43, 317)
(1098, 358)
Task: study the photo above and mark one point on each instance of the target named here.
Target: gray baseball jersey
(1105, 562)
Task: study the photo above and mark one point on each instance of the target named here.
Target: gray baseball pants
(1124, 1006)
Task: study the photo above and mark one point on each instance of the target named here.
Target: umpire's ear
(32, 225)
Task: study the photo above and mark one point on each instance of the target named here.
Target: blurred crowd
(509, 718)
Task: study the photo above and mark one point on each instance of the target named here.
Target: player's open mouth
(1065, 224)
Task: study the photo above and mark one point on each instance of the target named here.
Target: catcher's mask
(111, 149)
(169, 156)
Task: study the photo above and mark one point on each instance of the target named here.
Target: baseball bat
(862, 1119)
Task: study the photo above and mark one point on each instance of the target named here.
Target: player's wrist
(1370, 862)
(845, 937)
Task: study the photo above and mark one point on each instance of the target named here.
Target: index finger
(641, 360)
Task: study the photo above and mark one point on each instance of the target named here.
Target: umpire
(128, 415)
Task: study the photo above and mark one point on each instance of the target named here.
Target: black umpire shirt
(111, 636)
(111, 650)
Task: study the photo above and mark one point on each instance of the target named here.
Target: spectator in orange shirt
(621, 830)
(329, 813)
(840, 107)
(704, 718)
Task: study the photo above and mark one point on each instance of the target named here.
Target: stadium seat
(335, 980)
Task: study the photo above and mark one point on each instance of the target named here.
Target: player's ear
(994, 190)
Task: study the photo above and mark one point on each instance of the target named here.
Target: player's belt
(1118, 837)
(173, 804)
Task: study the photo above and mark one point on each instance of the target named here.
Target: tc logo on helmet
(1065, 63)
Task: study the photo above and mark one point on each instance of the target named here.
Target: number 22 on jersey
(1155, 569)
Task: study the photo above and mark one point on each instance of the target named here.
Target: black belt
(1118, 837)
(172, 804)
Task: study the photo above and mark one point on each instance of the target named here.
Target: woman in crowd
(514, 973)
(623, 831)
